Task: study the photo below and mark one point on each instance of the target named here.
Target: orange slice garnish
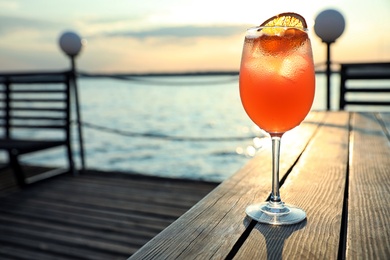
(286, 20)
(283, 32)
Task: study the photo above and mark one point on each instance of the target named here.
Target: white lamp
(329, 25)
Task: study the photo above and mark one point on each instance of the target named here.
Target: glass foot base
(275, 213)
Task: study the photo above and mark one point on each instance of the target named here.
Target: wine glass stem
(275, 195)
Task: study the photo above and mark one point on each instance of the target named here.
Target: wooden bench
(35, 116)
(335, 166)
(374, 91)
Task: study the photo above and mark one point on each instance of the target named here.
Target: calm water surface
(182, 126)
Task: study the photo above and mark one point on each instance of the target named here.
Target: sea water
(173, 126)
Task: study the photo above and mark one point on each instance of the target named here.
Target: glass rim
(259, 27)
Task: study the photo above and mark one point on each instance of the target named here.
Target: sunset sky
(172, 35)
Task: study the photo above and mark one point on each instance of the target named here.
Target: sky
(133, 36)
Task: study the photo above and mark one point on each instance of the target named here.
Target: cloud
(187, 31)
(14, 23)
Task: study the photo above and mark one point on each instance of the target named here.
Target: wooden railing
(374, 92)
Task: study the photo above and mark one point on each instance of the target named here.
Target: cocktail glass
(277, 85)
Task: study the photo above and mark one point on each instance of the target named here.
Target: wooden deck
(96, 215)
(336, 166)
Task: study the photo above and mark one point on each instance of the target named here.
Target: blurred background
(172, 35)
(177, 126)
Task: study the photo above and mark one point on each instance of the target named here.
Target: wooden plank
(15, 221)
(14, 252)
(165, 190)
(34, 77)
(96, 215)
(368, 90)
(212, 227)
(384, 119)
(72, 246)
(368, 207)
(368, 103)
(316, 184)
(124, 203)
(84, 217)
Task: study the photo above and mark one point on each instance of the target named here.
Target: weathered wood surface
(316, 184)
(96, 215)
(335, 166)
(369, 190)
(212, 227)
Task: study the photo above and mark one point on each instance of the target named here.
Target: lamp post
(329, 25)
(71, 44)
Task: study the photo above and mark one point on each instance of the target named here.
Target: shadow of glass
(275, 236)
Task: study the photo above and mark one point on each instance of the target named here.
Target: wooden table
(336, 166)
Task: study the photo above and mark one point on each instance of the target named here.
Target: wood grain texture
(384, 119)
(97, 215)
(368, 208)
(316, 184)
(212, 227)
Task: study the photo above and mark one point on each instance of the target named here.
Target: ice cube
(293, 66)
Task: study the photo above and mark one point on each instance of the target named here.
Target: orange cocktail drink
(277, 77)
(277, 85)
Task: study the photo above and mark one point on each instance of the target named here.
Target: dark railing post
(328, 75)
(343, 78)
(78, 114)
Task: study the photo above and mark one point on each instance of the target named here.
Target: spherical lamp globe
(329, 25)
(70, 43)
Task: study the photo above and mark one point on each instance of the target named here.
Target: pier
(95, 215)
